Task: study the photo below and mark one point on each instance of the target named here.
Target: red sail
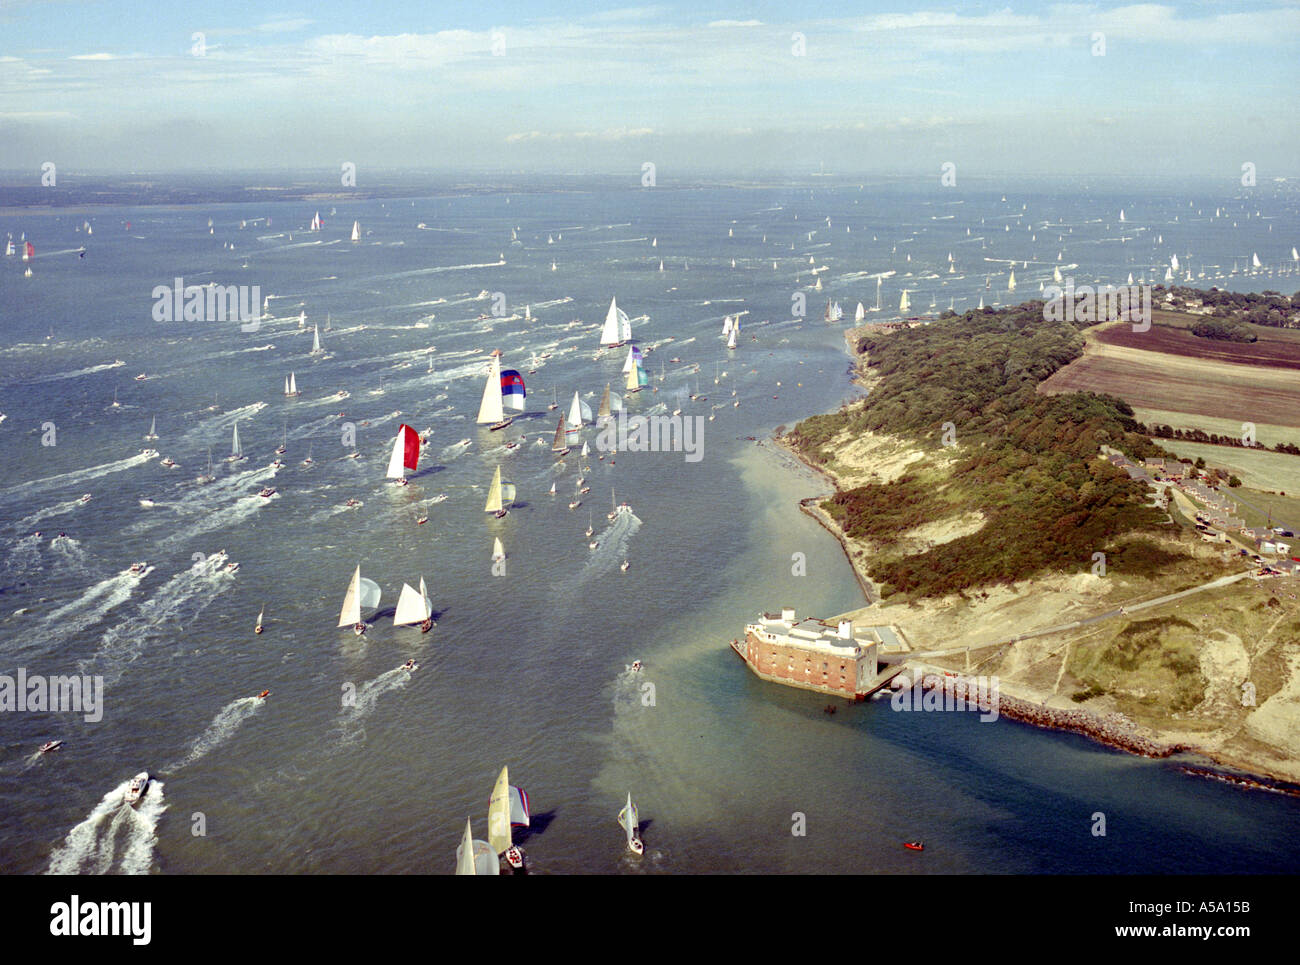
(30, 250)
(410, 446)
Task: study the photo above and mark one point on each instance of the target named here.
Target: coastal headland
(988, 514)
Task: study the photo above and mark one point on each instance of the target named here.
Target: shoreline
(1110, 729)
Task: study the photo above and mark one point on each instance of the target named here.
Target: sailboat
(490, 411)
(356, 231)
(283, 447)
(731, 339)
(236, 454)
(903, 304)
(207, 476)
(507, 809)
(260, 613)
(590, 528)
(559, 445)
(500, 495)
(604, 413)
(153, 430)
(28, 251)
(9, 246)
(1056, 274)
(316, 222)
(1254, 261)
(361, 593)
(475, 857)
(617, 329)
(552, 266)
(633, 358)
(315, 341)
(630, 822)
(555, 403)
(860, 314)
(528, 313)
(1295, 255)
(414, 607)
(637, 378)
(579, 414)
(498, 551)
(406, 454)
(1011, 282)
(291, 386)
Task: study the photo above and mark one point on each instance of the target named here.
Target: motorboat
(913, 845)
(139, 567)
(137, 788)
(50, 746)
(267, 492)
(264, 694)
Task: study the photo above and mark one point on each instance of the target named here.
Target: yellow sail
(351, 612)
(465, 853)
(494, 493)
(499, 814)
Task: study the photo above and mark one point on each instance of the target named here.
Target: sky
(1193, 88)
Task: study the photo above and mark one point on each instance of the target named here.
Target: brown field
(1170, 380)
(1270, 351)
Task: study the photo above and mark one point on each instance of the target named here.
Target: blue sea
(354, 765)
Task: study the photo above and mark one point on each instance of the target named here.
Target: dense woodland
(1029, 462)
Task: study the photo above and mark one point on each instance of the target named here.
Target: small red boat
(913, 845)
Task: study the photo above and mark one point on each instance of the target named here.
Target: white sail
(630, 364)
(630, 821)
(625, 326)
(726, 325)
(293, 384)
(412, 606)
(1173, 262)
(350, 615)
(903, 303)
(397, 462)
(860, 314)
(1254, 260)
(1295, 255)
(609, 333)
(1011, 282)
(490, 410)
(499, 813)
(579, 414)
(1121, 214)
(234, 443)
(260, 613)
(356, 231)
(528, 313)
(731, 339)
(1056, 275)
(498, 551)
(286, 385)
(153, 428)
(315, 341)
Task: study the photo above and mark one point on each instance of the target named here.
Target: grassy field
(1256, 468)
(1265, 433)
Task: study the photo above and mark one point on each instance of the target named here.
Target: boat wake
(75, 374)
(87, 610)
(180, 600)
(58, 509)
(112, 827)
(352, 718)
(611, 549)
(210, 431)
(223, 727)
(78, 475)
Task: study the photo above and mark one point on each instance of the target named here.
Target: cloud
(736, 23)
(284, 26)
(609, 134)
(92, 57)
